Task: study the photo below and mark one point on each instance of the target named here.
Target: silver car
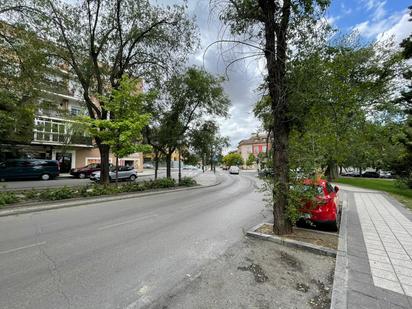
(125, 173)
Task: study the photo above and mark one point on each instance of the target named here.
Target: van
(29, 169)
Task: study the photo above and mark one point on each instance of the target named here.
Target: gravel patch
(256, 274)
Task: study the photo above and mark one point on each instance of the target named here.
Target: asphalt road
(71, 181)
(121, 254)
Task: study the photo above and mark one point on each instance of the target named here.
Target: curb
(340, 281)
(85, 201)
(291, 243)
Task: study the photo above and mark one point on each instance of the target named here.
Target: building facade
(255, 144)
(58, 136)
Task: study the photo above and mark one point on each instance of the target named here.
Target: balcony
(52, 131)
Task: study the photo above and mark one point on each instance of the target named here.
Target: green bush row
(54, 194)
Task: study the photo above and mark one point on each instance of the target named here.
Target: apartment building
(56, 133)
(255, 145)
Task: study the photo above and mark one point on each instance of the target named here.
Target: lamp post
(179, 142)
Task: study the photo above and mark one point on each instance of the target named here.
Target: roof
(254, 139)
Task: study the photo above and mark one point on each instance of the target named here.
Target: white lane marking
(125, 222)
(24, 247)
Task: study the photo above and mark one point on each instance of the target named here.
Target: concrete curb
(291, 243)
(85, 201)
(340, 281)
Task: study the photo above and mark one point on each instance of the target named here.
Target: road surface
(121, 254)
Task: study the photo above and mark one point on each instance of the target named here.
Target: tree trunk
(332, 170)
(203, 163)
(104, 162)
(275, 54)
(156, 163)
(282, 224)
(168, 165)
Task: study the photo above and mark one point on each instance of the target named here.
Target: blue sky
(370, 17)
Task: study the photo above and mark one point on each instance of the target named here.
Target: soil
(256, 274)
(324, 239)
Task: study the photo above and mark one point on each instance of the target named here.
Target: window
(74, 111)
(329, 187)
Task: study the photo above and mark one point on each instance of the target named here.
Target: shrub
(165, 183)
(56, 194)
(7, 198)
(187, 182)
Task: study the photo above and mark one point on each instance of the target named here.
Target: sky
(373, 19)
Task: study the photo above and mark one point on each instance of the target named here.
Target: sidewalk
(376, 260)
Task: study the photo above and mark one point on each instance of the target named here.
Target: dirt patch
(322, 299)
(290, 261)
(328, 240)
(257, 271)
(227, 282)
(302, 287)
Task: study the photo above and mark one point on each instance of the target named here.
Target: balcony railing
(59, 132)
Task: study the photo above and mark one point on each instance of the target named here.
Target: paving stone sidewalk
(378, 253)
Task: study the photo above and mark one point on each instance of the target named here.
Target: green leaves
(122, 131)
(232, 159)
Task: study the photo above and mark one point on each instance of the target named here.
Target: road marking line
(124, 222)
(24, 247)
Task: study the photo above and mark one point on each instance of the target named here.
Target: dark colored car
(371, 175)
(324, 208)
(266, 172)
(29, 169)
(85, 171)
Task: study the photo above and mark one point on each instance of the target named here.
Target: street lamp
(179, 142)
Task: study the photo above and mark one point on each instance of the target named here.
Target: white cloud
(371, 29)
(398, 31)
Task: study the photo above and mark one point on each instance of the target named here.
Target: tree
(22, 69)
(102, 40)
(206, 142)
(201, 139)
(250, 160)
(189, 96)
(272, 22)
(123, 133)
(403, 166)
(333, 90)
(233, 159)
(190, 158)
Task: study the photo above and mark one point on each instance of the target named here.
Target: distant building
(255, 145)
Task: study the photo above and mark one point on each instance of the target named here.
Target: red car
(325, 207)
(85, 171)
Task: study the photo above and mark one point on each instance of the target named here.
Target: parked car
(371, 175)
(385, 174)
(189, 167)
(85, 171)
(324, 208)
(125, 173)
(234, 170)
(266, 172)
(148, 165)
(29, 169)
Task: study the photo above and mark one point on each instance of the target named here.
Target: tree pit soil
(324, 239)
